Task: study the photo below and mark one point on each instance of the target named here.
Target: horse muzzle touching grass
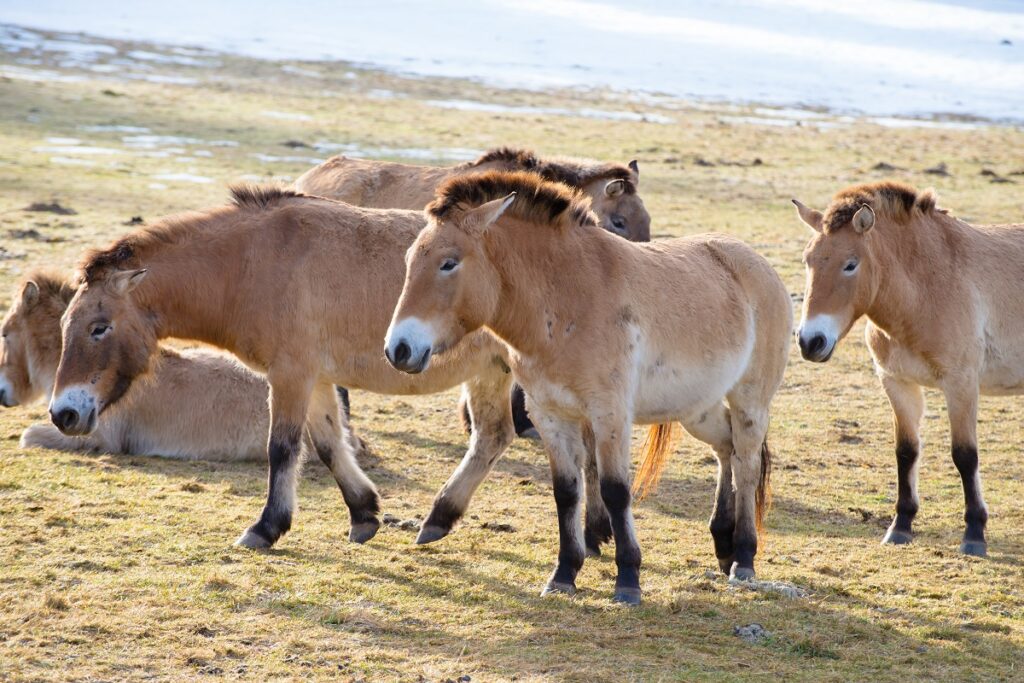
(522, 258)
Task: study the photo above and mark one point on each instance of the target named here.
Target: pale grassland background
(122, 567)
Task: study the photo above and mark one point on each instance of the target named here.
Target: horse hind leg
(963, 421)
(334, 444)
(597, 527)
(487, 399)
(750, 470)
(714, 428)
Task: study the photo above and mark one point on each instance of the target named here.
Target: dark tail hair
(657, 446)
(763, 496)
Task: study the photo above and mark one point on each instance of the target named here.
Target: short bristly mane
(128, 251)
(573, 172)
(51, 285)
(537, 200)
(894, 200)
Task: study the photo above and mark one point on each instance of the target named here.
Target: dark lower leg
(965, 457)
(616, 498)
(597, 527)
(907, 453)
(723, 518)
(276, 519)
(570, 553)
(363, 502)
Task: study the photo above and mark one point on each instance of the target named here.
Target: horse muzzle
(409, 345)
(74, 411)
(816, 347)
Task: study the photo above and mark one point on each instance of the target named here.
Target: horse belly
(667, 393)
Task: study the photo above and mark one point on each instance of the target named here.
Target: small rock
(135, 220)
(850, 439)
(701, 161)
(409, 524)
(885, 166)
(50, 207)
(988, 172)
(710, 575)
(295, 144)
(783, 588)
(30, 234)
(751, 633)
(390, 519)
(499, 527)
(940, 169)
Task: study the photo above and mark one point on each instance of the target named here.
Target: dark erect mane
(572, 172)
(897, 201)
(127, 251)
(537, 200)
(51, 285)
(260, 196)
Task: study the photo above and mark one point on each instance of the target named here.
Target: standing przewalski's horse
(194, 404)
(944, 308)
(301, 287)
(609, 333)
(612, 188)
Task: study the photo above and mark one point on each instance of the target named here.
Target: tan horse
(612, 188)
(606, 333)
(195, 404)
(300, 288)
(944, 310)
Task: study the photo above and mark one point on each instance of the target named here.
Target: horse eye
(619, 222)
(449, 265)
(850, 267)
(99, 329)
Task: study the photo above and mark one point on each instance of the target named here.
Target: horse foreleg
(612, 440)
(907, 403)
(487, 399)
(563, 442)
(963, 421)
(289, 398)
(333, 442)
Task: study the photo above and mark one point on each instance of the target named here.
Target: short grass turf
(116, 568)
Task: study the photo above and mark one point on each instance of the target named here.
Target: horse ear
(635, 168)
(124, 281)
(614, 188)
(808, 215)
(29, 294)
(863, 220)
(484, 215)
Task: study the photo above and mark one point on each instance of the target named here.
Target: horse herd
(515, 269)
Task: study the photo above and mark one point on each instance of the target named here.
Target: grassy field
(116, 568)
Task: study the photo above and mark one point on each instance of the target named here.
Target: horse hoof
(530, 433)
(739, 573)
(975, 548)
(429, 534)
(554, 587)
(627, 596)
(363, 532)
(897, 537)
(253, 541)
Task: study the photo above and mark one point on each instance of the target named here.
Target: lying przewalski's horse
(194, 404)
(301, 288)
(612, 188)
(944, 310)
(606, 333)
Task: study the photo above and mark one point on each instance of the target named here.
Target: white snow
(884, 58)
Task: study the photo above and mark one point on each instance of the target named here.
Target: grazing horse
(604, 334)
(944, 310)
(195, 404)
(612, 189)
(300, 288)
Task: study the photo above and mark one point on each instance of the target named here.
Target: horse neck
(532, 262)
(913, 266)
(185, 292)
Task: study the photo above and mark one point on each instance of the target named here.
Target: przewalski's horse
(944, 310)
(606, 333)
(612, 188)
(195, 404)
(301, 288)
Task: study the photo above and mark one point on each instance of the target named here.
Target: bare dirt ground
(116, 568)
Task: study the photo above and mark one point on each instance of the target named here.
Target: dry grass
(121, 567)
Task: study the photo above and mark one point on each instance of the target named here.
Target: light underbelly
(671, 393)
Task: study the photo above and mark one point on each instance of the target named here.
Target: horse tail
(763, 495)
(656, 448)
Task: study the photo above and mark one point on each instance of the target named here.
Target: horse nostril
(816, 344)
(65, 419)
(402, 353)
